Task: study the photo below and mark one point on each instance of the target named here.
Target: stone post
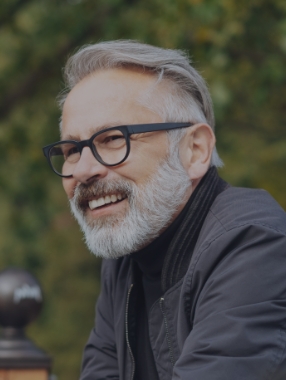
(20, 303)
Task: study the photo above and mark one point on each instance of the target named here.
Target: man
(194, 275)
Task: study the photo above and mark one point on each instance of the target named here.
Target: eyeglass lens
(110, 146)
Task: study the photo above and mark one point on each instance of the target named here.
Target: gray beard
(151, 209)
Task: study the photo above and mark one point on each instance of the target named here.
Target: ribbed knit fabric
(180, 250)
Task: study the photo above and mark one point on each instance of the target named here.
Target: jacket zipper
(126, 333)
(167, 331)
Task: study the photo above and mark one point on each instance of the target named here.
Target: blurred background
(240, 49)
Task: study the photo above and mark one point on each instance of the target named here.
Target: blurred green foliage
(239, 47)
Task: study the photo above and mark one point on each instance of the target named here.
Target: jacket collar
(180, 250)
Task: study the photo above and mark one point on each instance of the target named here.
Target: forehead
(107, 98)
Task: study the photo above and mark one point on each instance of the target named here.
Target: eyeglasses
(110, 146)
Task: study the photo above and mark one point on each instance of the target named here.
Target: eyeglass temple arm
(141, 128)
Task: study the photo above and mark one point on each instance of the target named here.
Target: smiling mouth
(106, 200)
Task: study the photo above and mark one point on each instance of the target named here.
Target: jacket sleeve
(100, 354)
(238, 285)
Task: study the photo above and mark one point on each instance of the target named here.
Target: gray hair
(188, 99)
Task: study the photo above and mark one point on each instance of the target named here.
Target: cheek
(69, 185)
(144, 160)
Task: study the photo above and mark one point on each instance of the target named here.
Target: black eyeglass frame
(127, 131)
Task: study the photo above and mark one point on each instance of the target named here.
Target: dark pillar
(20, 303)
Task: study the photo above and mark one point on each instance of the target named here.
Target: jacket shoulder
(236, 207)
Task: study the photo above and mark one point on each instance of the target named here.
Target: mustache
(85, 192)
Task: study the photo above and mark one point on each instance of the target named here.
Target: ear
(196, 150)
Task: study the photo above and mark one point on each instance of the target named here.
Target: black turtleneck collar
(150, 259)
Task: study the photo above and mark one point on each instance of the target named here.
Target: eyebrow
(92, 131)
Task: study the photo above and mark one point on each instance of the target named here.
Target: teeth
(104, 200)
(100, 202)
(107, 199)
(113, 198)
(92, 204)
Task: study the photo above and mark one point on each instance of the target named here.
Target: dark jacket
(224, 319)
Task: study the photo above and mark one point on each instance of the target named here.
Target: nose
(88, 168)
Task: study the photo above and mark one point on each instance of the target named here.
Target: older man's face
(110, 98)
